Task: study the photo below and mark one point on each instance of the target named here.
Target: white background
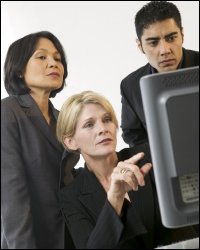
(98, 38)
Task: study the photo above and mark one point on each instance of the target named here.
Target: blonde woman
(112, 203)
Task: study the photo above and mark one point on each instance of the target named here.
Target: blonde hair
(71, 109)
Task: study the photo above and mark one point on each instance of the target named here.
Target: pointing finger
(134, 159)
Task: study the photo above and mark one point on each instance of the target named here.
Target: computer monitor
(171, 107)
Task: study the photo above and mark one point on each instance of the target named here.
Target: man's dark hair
(17, 57)
(156, 11)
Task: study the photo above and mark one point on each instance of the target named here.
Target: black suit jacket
(132, 119)
(94, 224)
(30, 173)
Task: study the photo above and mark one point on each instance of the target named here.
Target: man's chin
(167, 69)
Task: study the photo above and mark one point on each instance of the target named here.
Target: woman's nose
(102, 128)
(52, 63)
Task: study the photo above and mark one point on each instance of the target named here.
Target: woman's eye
(42, 57)
(88, 125)
(58, 59)
(108, 119)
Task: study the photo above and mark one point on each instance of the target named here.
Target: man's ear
(139, 44)
(70, 143)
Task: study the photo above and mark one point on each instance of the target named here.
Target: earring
(20, 75)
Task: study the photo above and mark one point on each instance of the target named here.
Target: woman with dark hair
(35, 70)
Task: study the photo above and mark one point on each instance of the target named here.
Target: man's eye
(153, 43)
(171, 38)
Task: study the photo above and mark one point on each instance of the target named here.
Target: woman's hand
(126, 176)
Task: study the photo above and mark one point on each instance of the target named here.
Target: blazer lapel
(69, 160)
(93, 195)
(34, 114)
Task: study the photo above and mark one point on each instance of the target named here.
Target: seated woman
(112, 203)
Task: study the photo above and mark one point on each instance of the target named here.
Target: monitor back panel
(171, 106)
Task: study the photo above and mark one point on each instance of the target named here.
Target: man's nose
(164, 48)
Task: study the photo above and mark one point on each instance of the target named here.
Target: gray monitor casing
(171, 107)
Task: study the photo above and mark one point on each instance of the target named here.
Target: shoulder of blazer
(8, 101)
(127, 153)
(17, 106)
(9, 107)
(133, 78)
(84, 184)
(74, 187)
(23, 102)
(190, 58)
(17, 101)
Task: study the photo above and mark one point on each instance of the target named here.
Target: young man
(160, 38)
